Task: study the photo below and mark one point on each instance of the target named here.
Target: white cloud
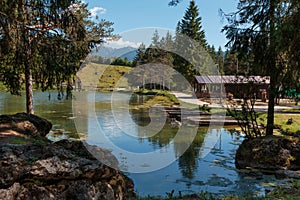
(121, 43)
(97, 10)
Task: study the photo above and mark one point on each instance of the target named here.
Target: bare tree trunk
(271, 104)
(29, 92)
(27, 58)
(272, 71)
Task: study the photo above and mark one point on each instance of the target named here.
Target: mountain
(124, 52)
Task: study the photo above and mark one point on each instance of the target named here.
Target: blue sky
(129, 15)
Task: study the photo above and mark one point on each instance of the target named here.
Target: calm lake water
(206, 164)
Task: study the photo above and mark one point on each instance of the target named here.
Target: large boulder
(33, 167)
(61, 170)
(27, 124)
(271, 154)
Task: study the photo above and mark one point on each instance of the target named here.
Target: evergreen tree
(220, 60)
(230, 63)
(212, 51)
(174, 2)
(289, 37)
(167, 41)
(159, 56)
(190, 26)
(139, 58)
(155, 39)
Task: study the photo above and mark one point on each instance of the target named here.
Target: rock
(61, 170)
(290, 121)
(287, 174)
(27, 124)
(272, 154)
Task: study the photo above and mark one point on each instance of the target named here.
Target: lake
(158, 156)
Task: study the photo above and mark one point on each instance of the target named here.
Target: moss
(270, 153)
(19, 140)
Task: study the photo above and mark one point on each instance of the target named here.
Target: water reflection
(206, 164)
(47, 105)
(188, 161)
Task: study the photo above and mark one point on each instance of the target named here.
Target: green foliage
(247, 117)
(19, 141)
(100, 60)
(152, 61)
(45, 41)
(244, 111)
(231, 63)
(191, 26)
(264, 34)
(290, 191)
(189, 42)
(139, 59)
(205, 108)
(204, 195)
(174, 2)
(122, 62)
(171, 98)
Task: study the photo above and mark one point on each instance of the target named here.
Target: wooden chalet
(236, 86)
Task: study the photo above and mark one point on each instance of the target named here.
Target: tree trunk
(271, 104)
(29, 92)
(272, 70)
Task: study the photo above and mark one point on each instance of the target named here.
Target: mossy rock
(269, 153)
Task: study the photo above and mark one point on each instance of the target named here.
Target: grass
(112, 77)
(188, 105)
(18, 140)
(280, 121)
(104, 77)
(208, 196)
(288, 192)
(163, 93)
(157, 98)
(291, 110)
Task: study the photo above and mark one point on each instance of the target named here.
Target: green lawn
(111, 77)
(104, 77)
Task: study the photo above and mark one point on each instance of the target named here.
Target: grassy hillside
(112, 77)
(104, 77)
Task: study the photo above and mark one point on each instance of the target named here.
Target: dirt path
(259, 106)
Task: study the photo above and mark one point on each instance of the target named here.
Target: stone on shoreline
(27, 124)
(271, 154)
(60, 170)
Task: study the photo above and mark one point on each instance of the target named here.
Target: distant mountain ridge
(124, 52)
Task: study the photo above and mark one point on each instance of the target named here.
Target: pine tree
(194, 47)
(212, 51)
(191, 26)
(139, 58)
(155, 39)
(220, 60)
(230, 63)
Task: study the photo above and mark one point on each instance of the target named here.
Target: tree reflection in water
(188, 160)
(186, 153)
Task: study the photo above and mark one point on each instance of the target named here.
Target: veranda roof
(230, 79)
